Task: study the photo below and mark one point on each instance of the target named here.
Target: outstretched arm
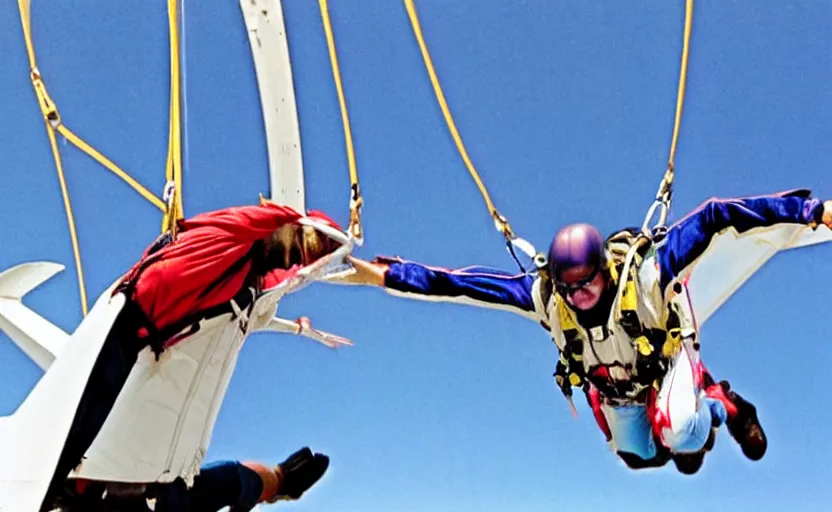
(690, 237)
(476, 286)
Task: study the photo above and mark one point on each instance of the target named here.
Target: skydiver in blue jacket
(627, 337)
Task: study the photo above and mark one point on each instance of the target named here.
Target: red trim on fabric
(81, 485)
(595, 402)
(319, 215)
(718, 393)
(601, 372)
(658, 419)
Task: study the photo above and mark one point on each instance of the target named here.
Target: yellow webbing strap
(50, 112)
(665, 192)
(54, 124)
(500, 221)
(106, 162)
(173, 165)
(356, 201)
(683, 73)
(76, 251)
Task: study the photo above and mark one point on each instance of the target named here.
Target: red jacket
(174, 281)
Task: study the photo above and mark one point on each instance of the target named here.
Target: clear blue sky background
(567, 110)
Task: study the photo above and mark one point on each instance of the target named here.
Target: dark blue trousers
(219, 484)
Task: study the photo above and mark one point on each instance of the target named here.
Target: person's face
(292, 245)
(583, 286)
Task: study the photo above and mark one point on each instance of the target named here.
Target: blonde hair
(315, 244)
(309, 242)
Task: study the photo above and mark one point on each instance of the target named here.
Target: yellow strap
(54, 124)
(50, 115)
(50, 112)
(98, 157)
(173, 166)
(665, 188)
(502, 223)
(683, 73)
(665, 192)
(23, 6)
(76, 251)
(356, 201)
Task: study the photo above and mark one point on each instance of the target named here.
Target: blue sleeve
(690, 237)
(479, 286)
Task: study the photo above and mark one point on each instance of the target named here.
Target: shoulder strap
(151, 254)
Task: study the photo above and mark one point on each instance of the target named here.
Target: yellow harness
(625, 253)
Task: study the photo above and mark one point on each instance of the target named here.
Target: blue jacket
(685, 241)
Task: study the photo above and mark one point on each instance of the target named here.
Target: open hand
(330, 340)
(826, 219)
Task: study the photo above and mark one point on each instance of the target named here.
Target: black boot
(744, 426)
(633, 461)
(689, 463)
(300, 472)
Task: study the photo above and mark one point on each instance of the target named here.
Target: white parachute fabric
(156, 429)
(31, 440)
(38, 338)
(270, 50)
(677, 397)
(161, 425)
(732, 258)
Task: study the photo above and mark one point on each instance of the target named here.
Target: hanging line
(54, 125)
(356, 200)
(665, 191)
(173, 164)
(501, 223)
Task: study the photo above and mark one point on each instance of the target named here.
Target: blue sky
(566, 108)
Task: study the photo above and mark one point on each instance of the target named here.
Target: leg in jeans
(684, 414)
(632, 436)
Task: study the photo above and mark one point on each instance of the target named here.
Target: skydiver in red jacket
(214, 258)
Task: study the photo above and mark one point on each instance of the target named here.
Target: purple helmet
(573, 246)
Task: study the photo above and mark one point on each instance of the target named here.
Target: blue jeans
(632, 430)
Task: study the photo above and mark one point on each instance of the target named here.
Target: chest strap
(242, 302)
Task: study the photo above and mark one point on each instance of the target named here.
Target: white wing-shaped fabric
(732, 258)
(36, 336)
(32, 438)
(161, 425)
(272, 62)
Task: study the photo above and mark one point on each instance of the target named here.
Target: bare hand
(367, 273)
(330, 340)
(826, 219)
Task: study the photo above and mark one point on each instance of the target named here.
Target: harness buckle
(242, 315)
(599, 333)
(618, 374)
